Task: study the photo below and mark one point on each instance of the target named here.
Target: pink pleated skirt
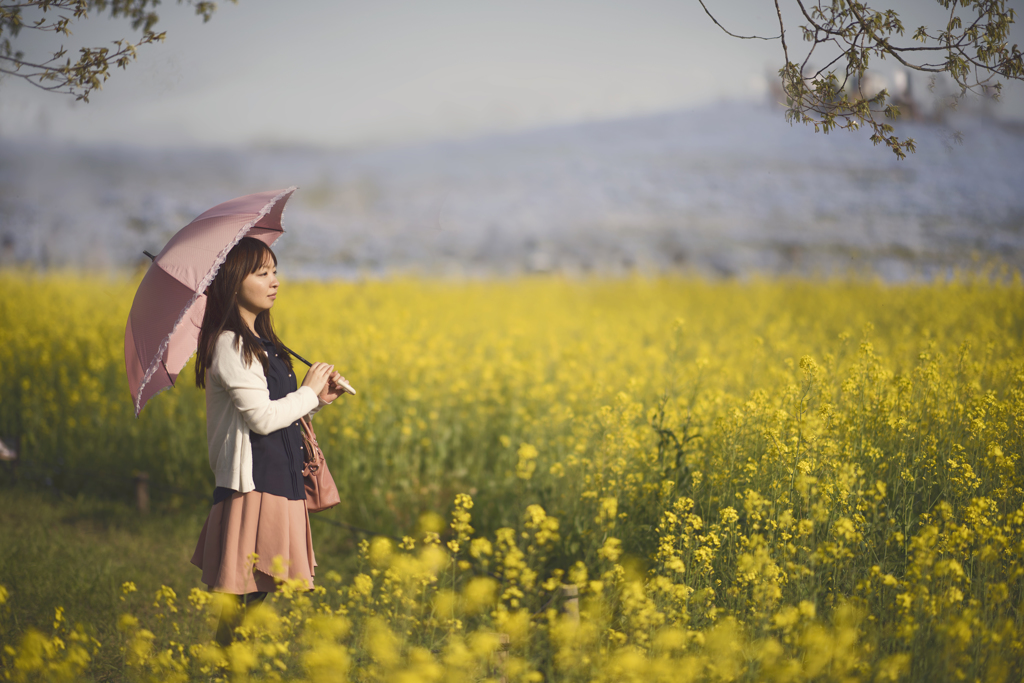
(246, 523)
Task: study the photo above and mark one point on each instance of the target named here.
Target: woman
(258, 528)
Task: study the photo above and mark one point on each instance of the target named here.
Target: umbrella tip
(151, 257)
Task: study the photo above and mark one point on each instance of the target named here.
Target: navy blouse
(277, 457)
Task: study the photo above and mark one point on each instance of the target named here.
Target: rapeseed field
(631, 480)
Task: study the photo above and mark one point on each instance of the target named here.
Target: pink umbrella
(163, 326)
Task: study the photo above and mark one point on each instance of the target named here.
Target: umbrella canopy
(163, 326)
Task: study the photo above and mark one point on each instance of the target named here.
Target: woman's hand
(333, 389)
(317, 376)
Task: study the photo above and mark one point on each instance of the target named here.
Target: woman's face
(259, 289)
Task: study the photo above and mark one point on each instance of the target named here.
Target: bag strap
(307, 430)
(314, 453)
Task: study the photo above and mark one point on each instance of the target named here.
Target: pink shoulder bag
(321, 491)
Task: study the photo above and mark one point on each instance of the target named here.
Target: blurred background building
(461, 139)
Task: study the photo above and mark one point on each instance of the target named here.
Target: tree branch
(782, 31)
(94, 64)
(730, 32)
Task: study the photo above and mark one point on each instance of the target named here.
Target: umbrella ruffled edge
(221, 257)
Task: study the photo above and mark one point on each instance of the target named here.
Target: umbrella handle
(345, 385)
(297, 356)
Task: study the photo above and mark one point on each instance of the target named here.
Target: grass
(78, 552)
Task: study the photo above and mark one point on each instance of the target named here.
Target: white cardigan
(237, 402)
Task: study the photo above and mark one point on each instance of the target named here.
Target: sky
(342, 73)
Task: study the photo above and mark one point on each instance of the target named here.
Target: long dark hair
(222, 314)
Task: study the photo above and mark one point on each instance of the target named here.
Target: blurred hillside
(727, 190)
